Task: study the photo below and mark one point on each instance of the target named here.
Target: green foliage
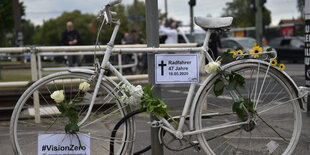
(50, 33)
(300, 7)
(227, 55)
(218, 87)
(28, 30)
(7, 19)
(233, 79)
(141, 27)
(269, 49)
(155, 106)
(240, 106)
(70, 111)
(243, 15)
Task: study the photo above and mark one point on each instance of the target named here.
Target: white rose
(133, 101)
(58, 96)
(137, 91)
(84, 86)
(123, 99)
(212, 67)
(123, 87)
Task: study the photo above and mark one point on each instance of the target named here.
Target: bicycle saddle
(213, 23)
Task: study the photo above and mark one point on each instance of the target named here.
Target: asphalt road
(174, 96)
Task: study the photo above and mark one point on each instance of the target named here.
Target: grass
(10, 63)
(10, 78)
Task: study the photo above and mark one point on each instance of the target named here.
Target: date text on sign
(176, 68)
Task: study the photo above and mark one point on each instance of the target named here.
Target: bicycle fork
(103, 67)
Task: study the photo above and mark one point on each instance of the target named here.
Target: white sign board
(59, 144)
(176, 68)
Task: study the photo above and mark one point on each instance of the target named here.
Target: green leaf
(227, 55)
(232, 85)
(240, 113)
(61, 108)
(235, 106)
(219, 85)
(148, 90)
(240, 80)
(271, 55)
(269, 49)
(226, 73)
(74, 128)
(67, 128)
(218, 93)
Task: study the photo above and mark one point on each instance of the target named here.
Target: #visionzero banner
(63, 144)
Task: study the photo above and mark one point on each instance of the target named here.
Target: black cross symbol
(162, 65)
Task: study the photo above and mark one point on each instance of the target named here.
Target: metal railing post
(34, 77)
(152, 36)
(39, 62)
(120, 68)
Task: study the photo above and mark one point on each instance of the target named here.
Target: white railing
(37, 52)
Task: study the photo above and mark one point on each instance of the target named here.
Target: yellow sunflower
(256, 49)
(274, 62)
(282, 67)
(239, 52)
(233, 54)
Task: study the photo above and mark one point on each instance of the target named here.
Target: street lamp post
(191, 3)
(152, 37)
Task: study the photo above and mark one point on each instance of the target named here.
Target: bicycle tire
(251, 138)
(106, 112)
(119, 124)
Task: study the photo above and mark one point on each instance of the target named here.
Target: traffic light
(192, 2)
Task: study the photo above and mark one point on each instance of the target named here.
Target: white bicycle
(210, 118)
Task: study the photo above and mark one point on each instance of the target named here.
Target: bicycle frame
(178, 132)
(105, 64)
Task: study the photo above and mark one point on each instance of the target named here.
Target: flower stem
(270, 127)
(176, 123)
(77, 136)
(52, 123)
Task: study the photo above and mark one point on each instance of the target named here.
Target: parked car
(290, 48)
(239, 43)
(181, 38)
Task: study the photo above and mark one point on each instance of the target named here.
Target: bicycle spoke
(274, 103)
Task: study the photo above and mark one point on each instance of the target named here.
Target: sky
(41, 10)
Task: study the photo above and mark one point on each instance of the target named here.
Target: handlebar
(107, 10)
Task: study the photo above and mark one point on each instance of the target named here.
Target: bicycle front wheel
(277, 105)
(107, 111)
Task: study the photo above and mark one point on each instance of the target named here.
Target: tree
(243, 15)
(50, 33)
(28, 31)
(51, 30)
(7, 19)
(300, 7)
(141, 18)
(125, 25)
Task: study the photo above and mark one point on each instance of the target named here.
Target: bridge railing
(36, 54)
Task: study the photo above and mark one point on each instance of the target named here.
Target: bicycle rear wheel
(106, 112)
(277, 104)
